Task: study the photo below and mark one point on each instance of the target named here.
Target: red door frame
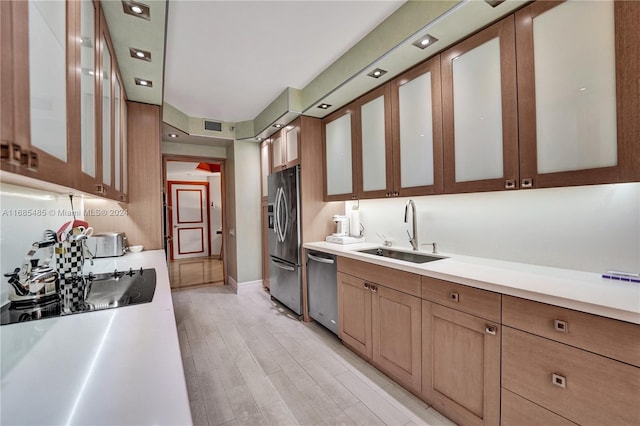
(170, 183)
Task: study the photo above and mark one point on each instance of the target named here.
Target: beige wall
(243, 212)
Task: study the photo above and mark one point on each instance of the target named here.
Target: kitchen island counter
(582, 291)
(116, 366)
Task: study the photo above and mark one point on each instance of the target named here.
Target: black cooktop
(104, 291)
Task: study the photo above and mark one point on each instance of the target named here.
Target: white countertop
(114, 367)
(582, 291)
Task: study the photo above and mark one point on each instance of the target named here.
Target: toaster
(108, 244)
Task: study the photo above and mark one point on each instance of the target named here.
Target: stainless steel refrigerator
(285, 273)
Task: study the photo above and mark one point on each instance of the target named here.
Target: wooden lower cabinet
(384, 326)
(461, 365)
(578, 385)
(354, 314)
(518, 411)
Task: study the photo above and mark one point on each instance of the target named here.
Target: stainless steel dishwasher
(322, 286)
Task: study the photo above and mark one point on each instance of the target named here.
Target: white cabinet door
(480, 111)
(375, 148)
(338, 145)
(417, 140)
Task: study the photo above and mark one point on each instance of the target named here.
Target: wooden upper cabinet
(480, 121)
(578, 102)
(277, 159)
(373, 144)
(339, 131)
(291, 144)
(417, 130)
(38, 80)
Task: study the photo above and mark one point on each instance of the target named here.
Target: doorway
(194, 220)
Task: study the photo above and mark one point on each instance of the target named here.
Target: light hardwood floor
(195, 272)
(247, 361)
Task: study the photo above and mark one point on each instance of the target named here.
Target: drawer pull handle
(455, 297)
(491, 329)
(561, 326)
(366, 285)
(509, 184)
(559, 380)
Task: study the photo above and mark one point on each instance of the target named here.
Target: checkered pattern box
(69, 260)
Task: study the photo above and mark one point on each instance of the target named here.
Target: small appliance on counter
(342, 225)
(108, 244)
(341, 236)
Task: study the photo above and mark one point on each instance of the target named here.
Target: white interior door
(189, 220)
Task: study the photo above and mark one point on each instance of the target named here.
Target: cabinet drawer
(482, 303)
(405, 282)
(517, 411)
(612, 338)
(581, 386)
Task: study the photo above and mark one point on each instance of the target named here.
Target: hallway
(248, 362)
(194, 272)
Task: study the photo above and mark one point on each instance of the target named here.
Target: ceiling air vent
(213, 125)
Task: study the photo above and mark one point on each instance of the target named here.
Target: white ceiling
(228, 60)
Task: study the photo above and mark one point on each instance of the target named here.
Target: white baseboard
(245, 287)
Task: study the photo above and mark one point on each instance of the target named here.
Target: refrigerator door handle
(286, 215)
(276, 225)
(280, 213)
(282, 265)
(321, 259)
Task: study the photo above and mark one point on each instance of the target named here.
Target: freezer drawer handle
(321, 259)
(282, 266)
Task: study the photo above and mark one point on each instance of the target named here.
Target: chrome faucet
(413, 239)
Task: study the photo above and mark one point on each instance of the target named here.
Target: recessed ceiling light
(143, 82)
(425, 41)
(324, 106)
(173, 135)
(136, 9)
(259, 139)
(277, 126)
(140, 54)
(377, 73)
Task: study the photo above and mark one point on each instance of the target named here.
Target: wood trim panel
(6, 75)
(145, 183)
(201, 241)
(474, 301)
(433, 66)
(461, 365)
(348, 109)
(505, 31)
(608, 337)
(384, 91)
(395, 279)
(627, 16)
(597, 390)
(518, 411)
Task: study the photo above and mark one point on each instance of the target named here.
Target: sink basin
(402, 255)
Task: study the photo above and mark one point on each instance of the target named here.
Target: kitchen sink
(402, 255)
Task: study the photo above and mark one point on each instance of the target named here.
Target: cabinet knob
(353, 196)
(33, 160)
(561, 326)
(396, 193)
(527, 183)
(491, 329)
(454, 297)
(558, 380)
(374, 288)
(509, 184)
(366, 285)
(388, 194)
(4, 152)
